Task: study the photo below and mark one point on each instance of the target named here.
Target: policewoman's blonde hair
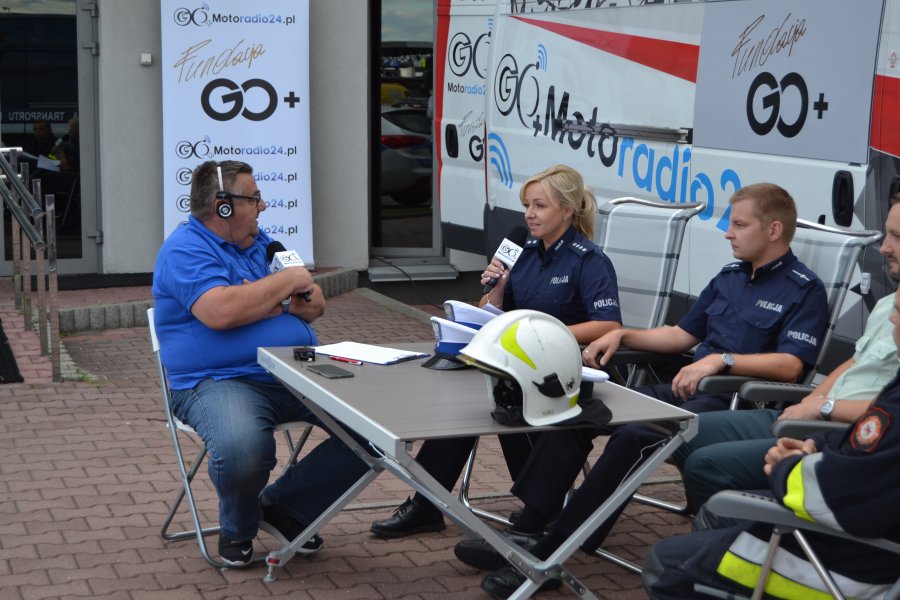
(566, 186)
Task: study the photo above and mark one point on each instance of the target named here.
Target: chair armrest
(770, 392)
(752, 507)
(802, 429)
(741, 505)
(628, 356)
(631, 367)
(722, 384)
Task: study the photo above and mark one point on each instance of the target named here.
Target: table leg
(280, 557)
(553, 564)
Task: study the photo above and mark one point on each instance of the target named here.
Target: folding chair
(175, 425)
(643, 240)
(830, 252)
(741, 505)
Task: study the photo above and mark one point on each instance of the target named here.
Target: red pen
(346, 360)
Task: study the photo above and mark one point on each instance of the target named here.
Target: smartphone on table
(330, 371)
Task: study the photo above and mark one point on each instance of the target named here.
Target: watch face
(729, 359)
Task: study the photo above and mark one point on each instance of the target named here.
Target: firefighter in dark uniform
(762, 316)
(847, 481)
(560, 272)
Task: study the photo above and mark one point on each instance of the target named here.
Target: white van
(678, 101)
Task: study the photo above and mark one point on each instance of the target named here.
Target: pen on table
(345, 360)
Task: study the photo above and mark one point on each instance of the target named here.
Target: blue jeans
(235, 418)
(728, 453)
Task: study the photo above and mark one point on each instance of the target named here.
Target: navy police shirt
(782, 309)
(573, 281)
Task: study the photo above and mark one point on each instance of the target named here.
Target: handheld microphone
(280, 258)
(508, 252)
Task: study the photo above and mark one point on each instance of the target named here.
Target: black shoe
(409, 518)
(481, 555)
(503, 582)
(236, 553)
(285, 528)
(515, 515)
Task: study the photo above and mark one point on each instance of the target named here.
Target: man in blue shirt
(762, 316)
(215, 304)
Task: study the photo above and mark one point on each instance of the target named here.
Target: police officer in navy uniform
(560, 272)
(552, 280)
(847, 481)
(762, 316)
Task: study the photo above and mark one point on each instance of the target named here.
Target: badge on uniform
(869, 430)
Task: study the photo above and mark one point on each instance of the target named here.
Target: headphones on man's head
(225, 208)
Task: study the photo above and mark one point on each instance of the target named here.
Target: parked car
(405, 154)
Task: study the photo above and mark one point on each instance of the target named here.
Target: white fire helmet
(533, 367)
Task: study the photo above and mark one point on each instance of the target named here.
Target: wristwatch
(728, 359)
(285, 305)
(826, 410)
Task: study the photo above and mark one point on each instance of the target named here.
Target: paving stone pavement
(86, 472)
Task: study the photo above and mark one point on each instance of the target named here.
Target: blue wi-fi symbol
(542, 57)
(490, 24)
(499, 157)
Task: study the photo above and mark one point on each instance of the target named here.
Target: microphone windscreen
(272, 248)
(506, 254)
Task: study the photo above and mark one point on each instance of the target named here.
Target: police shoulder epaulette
(580, 248)
(801, 275)
(734, 266)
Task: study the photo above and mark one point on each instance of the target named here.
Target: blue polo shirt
(190, 262)
(573, 281)
(782, 309)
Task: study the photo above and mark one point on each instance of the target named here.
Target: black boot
(503, 582)
(481, 555)
(409, 518)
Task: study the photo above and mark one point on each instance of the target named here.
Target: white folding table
(391, 406)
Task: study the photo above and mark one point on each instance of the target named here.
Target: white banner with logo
(235, 81)
(792, 78)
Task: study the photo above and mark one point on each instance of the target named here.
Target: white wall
(339, 88)
(130, 136)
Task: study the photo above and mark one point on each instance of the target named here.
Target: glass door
(46, 90)
(404, 218)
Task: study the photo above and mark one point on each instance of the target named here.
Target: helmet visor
(483, 367)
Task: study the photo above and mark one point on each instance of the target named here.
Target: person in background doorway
(42, 141)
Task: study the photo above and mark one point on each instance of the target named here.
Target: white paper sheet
(368, 353)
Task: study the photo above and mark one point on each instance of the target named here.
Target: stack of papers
(378, 355)
(48, 164)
